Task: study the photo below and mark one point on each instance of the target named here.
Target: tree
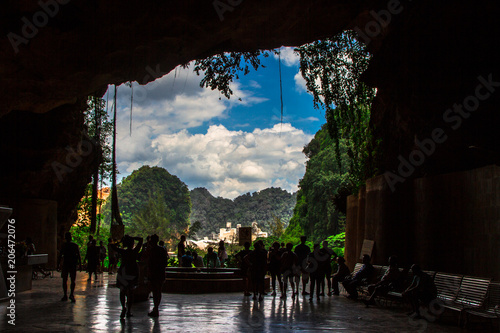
(154, 217)
(98, 130)
(316, 212)
(277, 227)
(145, 183)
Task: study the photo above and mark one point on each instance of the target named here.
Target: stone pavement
(97, 309)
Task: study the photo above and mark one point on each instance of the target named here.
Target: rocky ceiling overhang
(54, 51)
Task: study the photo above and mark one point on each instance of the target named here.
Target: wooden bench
(471, 293)
(378, 272)
(404, 282)
(490, 308)
(447, 286)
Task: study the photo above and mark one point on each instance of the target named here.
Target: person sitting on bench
(341, 274)
(382, 287)
(421, 291)
(366, 272)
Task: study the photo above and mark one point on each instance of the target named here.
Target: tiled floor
(97, 309)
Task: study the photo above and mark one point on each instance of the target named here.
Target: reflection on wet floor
(97, 309)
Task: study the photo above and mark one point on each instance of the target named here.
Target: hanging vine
(220, 69)
(331, 69)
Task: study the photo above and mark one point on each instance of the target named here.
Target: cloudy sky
(230, 147)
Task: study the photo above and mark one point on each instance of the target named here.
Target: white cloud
(288, 57)
(300, 83)
(228, 163)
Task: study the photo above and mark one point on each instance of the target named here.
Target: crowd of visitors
(285, 264)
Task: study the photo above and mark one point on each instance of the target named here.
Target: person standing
(112, 256)
(289, 260)
(181, 249)
(128, 273)
(102, 256)
(274, 261)
(157, 262)
(222, 253)
(92, 259)
(327, 255)
(240, 257)
(257, 260)
(70, 256)
(302, 251)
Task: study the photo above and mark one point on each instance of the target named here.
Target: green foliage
(315, 211)
(277, 227)
(100, 128)
(220, 69)
(146, 186)
(81, 234)
(153, 218)
(331, 69)
(336, 242)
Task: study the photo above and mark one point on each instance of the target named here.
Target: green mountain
(260, 207)
(152, 190)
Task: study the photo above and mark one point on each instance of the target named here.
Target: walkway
(97, 309)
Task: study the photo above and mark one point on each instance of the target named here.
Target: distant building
(230, 235)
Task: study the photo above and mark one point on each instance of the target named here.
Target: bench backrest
(472, 292)
(378, 272)
(356, 269)
(494, 298)
(432, 274)
(447, 286)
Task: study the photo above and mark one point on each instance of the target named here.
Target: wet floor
(97, 309)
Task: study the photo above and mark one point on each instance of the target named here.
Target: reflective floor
(97, 309)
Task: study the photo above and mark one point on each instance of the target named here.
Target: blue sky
(230, 147)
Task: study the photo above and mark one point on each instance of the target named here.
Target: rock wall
(448, 223)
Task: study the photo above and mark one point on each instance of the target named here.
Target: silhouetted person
(350, 283)
(421, 291)
(288, 262)
(158, 258)
(327, 255)
(302, 251)
(92, 259)
(342, 272)
(30, 250)
(382, 287)
(222, 253)
(257, 260)
(181, 249)
(187, 260)
(30, 246)
(245, 273)
(112, 257)
(197, 260)
(102, 255)
(70, 256)
(212, 258)
(128, 273)
(317, 269)
(275, 267)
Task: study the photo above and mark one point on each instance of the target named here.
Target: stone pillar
(37, 219)
(360, 221)
(351, 231)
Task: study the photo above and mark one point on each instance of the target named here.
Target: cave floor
(97, 309)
